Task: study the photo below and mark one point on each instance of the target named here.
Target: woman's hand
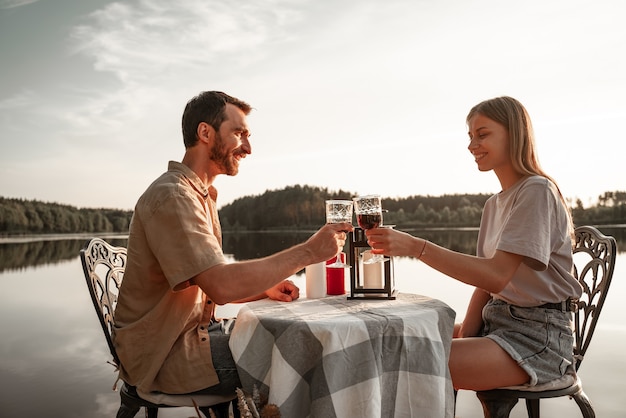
(472, 325)
(391, 242)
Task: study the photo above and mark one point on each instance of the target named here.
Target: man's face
(231, 141)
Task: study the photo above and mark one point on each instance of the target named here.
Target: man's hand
(327, 241)
(285, 291)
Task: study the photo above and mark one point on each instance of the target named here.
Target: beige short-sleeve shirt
(529, 219)
(161, 320)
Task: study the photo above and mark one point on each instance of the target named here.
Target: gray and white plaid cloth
(334, 357)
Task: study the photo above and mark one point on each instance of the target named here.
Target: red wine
(369, 221)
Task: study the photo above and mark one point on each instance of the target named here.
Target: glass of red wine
(338, 211)
(369, 214)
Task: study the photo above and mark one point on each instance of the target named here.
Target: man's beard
(223, 158)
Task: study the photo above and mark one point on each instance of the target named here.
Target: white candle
(373, 274)
(315, 280)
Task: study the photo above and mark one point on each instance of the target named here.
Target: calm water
(53, 354)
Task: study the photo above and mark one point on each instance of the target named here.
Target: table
(333, 357)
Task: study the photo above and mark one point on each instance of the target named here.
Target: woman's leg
(479, 363)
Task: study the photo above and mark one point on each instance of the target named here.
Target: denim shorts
(219, 335)
(541, 340)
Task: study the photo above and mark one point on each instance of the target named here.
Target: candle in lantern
(373, 274)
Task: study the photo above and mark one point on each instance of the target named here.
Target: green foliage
(18, 216)
(460, 210)
(302, 207)
(297, 208)
(294, 207)
(611, 209)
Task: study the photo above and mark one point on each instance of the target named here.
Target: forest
(19, 217)
(291, 208)
(302, 207)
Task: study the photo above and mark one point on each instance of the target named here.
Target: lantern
(368, 281)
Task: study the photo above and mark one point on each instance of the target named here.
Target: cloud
(396, 77)
(154, 52)
(146, 40)
(10, 4)
(20, 100)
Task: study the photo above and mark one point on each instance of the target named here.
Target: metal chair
(103, 265)
(597, 251)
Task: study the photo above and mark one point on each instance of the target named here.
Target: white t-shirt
(530, 219)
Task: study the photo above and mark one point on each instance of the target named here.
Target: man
(165, 333)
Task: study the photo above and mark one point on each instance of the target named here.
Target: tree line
(19, 216)
(292, 208)
(302, 207)
(611, 209)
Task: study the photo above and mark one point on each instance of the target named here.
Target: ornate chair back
(103, 266)
(594, 262)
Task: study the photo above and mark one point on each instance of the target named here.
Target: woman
(516, 330)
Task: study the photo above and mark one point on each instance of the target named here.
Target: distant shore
(16, 239)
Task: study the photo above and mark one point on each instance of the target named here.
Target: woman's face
(489, 143)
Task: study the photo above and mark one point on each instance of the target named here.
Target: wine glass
(369, 214)
(338, 211)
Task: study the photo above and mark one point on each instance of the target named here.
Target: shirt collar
(193, 178)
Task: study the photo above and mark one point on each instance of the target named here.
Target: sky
(359, 95)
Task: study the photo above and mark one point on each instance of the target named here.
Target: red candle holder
(336, 278)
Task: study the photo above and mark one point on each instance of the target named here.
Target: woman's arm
(490, 274)
(473, 322)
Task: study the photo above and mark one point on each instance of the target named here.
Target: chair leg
(496, 407)
(532, 406)
(221, 410)
(209, 412)
(236, 412)
(127, 411)
(152, 412)
(584, 404)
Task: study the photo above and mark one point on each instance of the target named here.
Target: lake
(53, 355)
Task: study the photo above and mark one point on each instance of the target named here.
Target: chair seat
(569, 379)
(497, 403)
(554, 392)
(158, 399)
(210, 405)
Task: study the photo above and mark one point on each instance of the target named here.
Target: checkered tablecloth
(334, 357)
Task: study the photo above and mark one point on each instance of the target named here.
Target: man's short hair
(208, 107)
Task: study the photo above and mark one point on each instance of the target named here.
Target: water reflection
(53, 354)
(19, 253)
(246, 246)
(242, 246)
(249, 245)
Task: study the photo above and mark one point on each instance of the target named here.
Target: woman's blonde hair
(511, 114)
